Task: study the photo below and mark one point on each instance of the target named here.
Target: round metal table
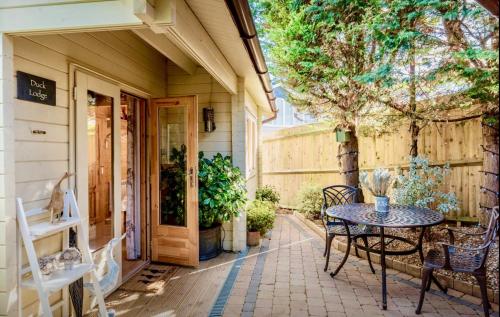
(398, 216)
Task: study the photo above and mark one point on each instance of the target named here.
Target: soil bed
(438, 234)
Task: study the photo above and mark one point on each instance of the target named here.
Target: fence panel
(307, 154)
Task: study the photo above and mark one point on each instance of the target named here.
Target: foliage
(222, 192)
(261, 216)
(310, 200)
(319, 49)
(421, 187)
(380, 183)
(368, 64)
(427, 49)
(268, 193)
(173, 188)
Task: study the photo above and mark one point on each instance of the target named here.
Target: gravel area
(438, 234)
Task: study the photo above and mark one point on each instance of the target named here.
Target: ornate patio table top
(398, 216)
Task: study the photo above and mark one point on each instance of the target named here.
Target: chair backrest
(492, 229)
(339, 195)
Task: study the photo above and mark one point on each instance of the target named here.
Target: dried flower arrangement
(380, 182)
(70, 256)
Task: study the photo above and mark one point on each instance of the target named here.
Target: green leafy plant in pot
(260, 219)
(222, 194)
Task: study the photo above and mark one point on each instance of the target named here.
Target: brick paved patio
(286, 278)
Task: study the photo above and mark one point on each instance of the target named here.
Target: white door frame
(85, 82)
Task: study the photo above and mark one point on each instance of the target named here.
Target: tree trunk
(489, 178)
(348, 162)
(414, 128)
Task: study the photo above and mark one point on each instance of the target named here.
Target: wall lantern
(209, 119)
(342, 135)
(209, 113)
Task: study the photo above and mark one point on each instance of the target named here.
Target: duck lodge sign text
(36, 89)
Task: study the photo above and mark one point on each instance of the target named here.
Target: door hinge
(74, 93)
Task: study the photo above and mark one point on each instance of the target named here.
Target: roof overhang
(221, 24)
(188, 32)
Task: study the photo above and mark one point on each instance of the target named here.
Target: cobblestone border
(220, 302)
(253, 288)
(413, 270)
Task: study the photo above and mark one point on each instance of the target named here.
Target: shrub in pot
(268, 193)
(222, 194)
(260, 219)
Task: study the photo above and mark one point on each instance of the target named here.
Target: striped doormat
(150, 279)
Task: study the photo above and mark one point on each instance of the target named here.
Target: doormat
(150, 279)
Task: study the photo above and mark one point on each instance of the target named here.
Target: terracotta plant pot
(253, 238)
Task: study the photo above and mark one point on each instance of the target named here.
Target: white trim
(77, 16)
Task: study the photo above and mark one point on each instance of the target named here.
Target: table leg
(420, 243)
(382, 263)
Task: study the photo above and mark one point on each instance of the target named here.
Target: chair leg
(326, 244)
(426, 276)
(328, 247)
(481, 279)
(346, 255)
(356, 250)
(365, 241)
(428, 286)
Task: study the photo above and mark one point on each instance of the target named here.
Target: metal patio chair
(340, 195)
(457, 258)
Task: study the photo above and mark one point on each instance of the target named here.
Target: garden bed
(411, 264)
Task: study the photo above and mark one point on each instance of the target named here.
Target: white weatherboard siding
(41, 159)
(8, 268)
(201, 83)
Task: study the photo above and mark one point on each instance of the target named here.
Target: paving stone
(290, 281)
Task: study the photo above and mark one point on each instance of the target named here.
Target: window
(251, 145)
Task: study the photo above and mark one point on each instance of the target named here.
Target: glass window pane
(172, 160)
(100, 169)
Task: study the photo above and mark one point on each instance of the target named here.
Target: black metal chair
(462, 259)
(341, 195)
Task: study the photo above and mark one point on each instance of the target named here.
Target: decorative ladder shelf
(47, 284)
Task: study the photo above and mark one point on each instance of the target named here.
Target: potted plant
(381, 180)
(260, 219)
(222, 194)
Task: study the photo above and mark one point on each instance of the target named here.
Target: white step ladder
(45, 285)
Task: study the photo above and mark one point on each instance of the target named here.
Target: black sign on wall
(36, 89)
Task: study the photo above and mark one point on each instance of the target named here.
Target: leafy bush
(260, 216)
(310, 200)
(420, 187)
(268, 193)
(222, 191)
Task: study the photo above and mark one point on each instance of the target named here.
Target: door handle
(191, 177)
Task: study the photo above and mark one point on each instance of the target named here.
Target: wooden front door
(174, 180)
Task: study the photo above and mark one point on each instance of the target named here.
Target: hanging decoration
(209, 113)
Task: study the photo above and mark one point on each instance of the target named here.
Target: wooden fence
(307, 154)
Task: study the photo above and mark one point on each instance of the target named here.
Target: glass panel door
(100, 172)
(174, 191)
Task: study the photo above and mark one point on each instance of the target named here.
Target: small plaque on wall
(36, 89)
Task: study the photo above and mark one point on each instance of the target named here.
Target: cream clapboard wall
(8, 238)
(209, 92)
(41, 159)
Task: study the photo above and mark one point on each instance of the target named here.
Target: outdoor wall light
(209, 119)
